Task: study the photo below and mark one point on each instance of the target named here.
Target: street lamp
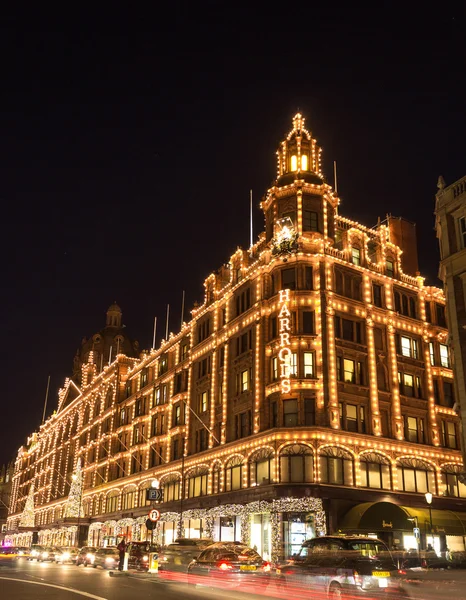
(428, 496)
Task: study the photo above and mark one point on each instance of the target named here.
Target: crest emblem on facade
(285, 241)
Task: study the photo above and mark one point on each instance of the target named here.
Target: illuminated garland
(27, 518)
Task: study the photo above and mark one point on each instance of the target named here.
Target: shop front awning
(374, 517)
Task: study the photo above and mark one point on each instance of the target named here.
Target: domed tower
(299, 192)
(104, 345)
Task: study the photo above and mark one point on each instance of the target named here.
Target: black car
(229, 564)
(341, 566)
(86, 556)
(178, 555)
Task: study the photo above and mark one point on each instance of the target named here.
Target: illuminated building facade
(450, 212)
(312, 391)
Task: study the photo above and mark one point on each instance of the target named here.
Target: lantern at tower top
(299, 156)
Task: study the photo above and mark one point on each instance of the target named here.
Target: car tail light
(402, 572)
(242, 557)
(424, 563)
(266, 566)
(357, 578)
(223, 565)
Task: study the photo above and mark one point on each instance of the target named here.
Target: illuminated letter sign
(284, 329)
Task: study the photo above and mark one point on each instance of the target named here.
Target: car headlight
(145, 558)
(20, 553)
(34, 553)
(45, 554)
(89, 555)
(109, 559)
(66, 555)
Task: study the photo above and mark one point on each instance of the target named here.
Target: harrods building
(311, 392)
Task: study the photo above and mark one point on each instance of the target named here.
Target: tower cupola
(114, 315)
(299, 156)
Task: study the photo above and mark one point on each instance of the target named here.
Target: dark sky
(129, 143)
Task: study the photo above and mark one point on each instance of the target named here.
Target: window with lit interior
(296, 464)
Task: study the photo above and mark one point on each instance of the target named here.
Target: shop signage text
(284, 329)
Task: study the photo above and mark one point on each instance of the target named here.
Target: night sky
(129, 144)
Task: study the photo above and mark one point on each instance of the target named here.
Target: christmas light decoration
(74, 506)
(28, 518)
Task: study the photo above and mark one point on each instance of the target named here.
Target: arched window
(112, 502)
(450, 478)
(129, 499)
(196, 482)
(261, 467)
(142, 500)
(171, 487)
(97, 407)
(304, 162)
(416, 475)
(234, 473)
(375, 471)
(336, 466)
(216, 473)
(294, 163)
(109, 398)
(296, 464)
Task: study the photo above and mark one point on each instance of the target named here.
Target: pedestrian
(122, 550)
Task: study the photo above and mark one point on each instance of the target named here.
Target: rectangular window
(244, 380)
(274, 415)
(243, 424)
(444, 356)
(414, 429)
(163, 365)
(293, 364)
(310, 221)
(351, 417)
(204, 367)
(274, 368)
(389, 268)
(356, 256)
(164, 393)
(309, 372)
(308, 322)
(448, 396)
(290, 413)
(449, 435)
(204, 402)
(309, 411)
(184, 351)
(377, 295)
(348, 330)
(432, 353)
(308, 281)
(428, 312)
(440, 312)
(348, 372)
(156, 396)
(177, 415)
(408, 346)
(462, 229)
(289, 279)
(243, 301)
(203, 330)
(244, 342)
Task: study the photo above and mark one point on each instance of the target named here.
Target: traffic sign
(154, 495)
(416, 532)
(154, 515)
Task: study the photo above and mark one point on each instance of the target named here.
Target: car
(66, 554)
(139, 552)
(343, 566)
(229, 564)
(178, 555)
(14, 551)
(35, 552)
(86, 556)
(47, 554)
(107, 558)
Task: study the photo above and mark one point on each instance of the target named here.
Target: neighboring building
(450, 213)
(312, 391)
(6, 480)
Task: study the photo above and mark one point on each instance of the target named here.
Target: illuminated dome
(299, 156)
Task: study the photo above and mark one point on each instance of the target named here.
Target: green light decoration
(74, 503)
(27, 518)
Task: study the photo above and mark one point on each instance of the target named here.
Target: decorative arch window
(234, 473)
(451, 480)
(109, 398)
(261, 467)
(196, 482)
(171, 487)
(375, 471)
(97, 407)
(336, 466)
(142, 501)
(415, 475)
(129, 499)
(304, 162)
(296, 464)
(112, 502)
(294, 163)
(216, 474)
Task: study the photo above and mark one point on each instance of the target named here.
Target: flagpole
(166, 327)
(250, 219)
(155, 329)
(182, 310)
(46, 398)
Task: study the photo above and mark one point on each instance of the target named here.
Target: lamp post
(428, 496)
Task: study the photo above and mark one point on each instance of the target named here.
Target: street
(24, 580)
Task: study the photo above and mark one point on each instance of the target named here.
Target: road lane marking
(58, 587)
